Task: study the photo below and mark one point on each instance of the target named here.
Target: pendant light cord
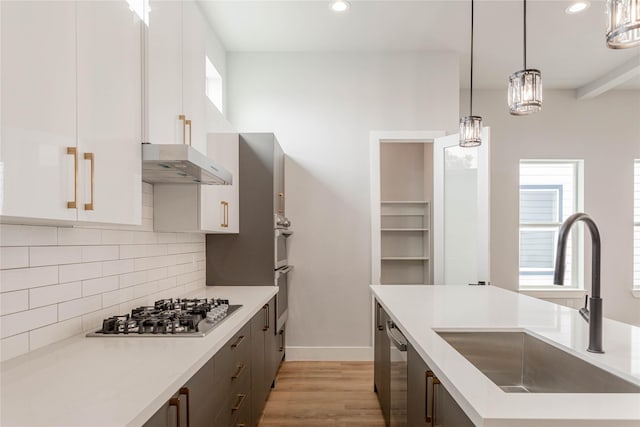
(524, 26)
(471, 79)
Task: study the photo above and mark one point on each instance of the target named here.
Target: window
(636, 226)
(549, 193)
(213, 86)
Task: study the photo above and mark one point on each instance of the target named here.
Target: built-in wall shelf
(404, 203)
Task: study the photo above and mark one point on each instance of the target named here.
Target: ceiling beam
(610, 80)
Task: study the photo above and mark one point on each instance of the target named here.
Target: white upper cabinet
(175, 74)
(71, 111)
(38, 109)
(109, 112)
(202, 208)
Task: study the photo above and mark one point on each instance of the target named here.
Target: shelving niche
(405, 213)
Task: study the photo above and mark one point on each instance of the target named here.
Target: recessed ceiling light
(339, 6)
(577, 7)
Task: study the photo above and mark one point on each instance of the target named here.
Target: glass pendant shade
(470, 131)
(525, 92)
(623, 29)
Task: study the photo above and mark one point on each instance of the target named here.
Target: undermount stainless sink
(520, 363)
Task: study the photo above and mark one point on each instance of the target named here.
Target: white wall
(322, 108)
(56, 282)
(605, 132)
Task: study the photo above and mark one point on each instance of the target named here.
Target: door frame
(375, 139)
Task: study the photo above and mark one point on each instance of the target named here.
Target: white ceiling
(569, 49)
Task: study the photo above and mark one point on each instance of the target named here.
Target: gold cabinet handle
(73, 151)
(281, 333)
(239, 402)
(378, 324)
(238, 341)
(175, 401)
(238, 372)
(188, 123)
(185, 391)
(434, 381)
(91, 158)
(225, 214)
(427, 418)
(183, 118)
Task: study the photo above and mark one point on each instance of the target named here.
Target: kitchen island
(115, 381)
(420, 311)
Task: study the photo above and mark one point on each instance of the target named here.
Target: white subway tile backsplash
(25, 278)
(78, 236)
(47, 295)
(100, 253)
(122, 266)
(149, 263)
(27, 235)
(56, 282)
(54, 255)
(14, 346)
(78, 307)
(98, 286)
(132, 279)
(56, 332)
(14, 257)
(12, 302)
(75, 272)
(24, 321)
(117, 237)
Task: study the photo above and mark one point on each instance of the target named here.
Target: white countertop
(114, 381)
(418, 310)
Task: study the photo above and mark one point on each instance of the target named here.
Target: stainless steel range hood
(180, 164)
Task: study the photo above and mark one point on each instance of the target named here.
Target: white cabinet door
(109, 112)
(461, 211)
(193, 73)
(219, 204)
(38, 109)
(164, 73)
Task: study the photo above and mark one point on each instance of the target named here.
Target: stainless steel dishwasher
(398, 375)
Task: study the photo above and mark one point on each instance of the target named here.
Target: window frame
(577, 235)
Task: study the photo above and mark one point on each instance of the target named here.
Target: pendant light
(525, 86)
(471, 126)
(623, 24)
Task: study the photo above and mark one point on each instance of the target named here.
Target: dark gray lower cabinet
(231, 389)
(428, 401)
(382, 362)
(193, 405)
(267, 353)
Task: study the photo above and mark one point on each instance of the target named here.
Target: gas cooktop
(179, 317)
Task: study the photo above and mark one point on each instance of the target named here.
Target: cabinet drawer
(232, 363)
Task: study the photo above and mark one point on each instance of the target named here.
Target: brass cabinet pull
(238, 341)
(239, 402)
(73, 151)
(434, 382)
(281, 333)
(183, 118)
(185, 391)
(238, 372)
(225, 214)
(427, 418)
(91, 158)
(175, 401)
(188, 123)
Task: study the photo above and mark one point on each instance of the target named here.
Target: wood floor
(323, 394)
